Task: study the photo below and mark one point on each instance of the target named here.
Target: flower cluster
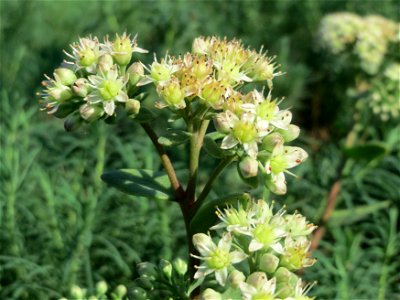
(370, 37)
(95, 80)
(256, 255)
(102, 292)
(251, 125)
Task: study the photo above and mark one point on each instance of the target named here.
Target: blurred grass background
(60, 225)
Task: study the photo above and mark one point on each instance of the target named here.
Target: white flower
(297, 225)
(215, 258)
(301, 291)
(282, 158)
(234, 220)
(85, 54)
(107, 88)
(257, 286)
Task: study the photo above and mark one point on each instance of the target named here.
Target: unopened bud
(144, 281)
(270, 141)
(222, 123)
(146, 268)
(101, 287)
(72, 122)
(77, 292)
(269, 263)
(81, 87)
(90, 113)
(283, 275)
(136, 72)
(105, 63)
(138, 293)
(248, 167)
(121, 290)
(291, 133)
(172, 93)
(60, 93)
(166, 267)
(235, 278)
(160, 72)
(212, 92)
(180, 266)
(285, 290)
(132, 106)
(210, 294)
(64, 76)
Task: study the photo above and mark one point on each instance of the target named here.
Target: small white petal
(237, 257)
(229, 142)
(294, 156)
(282, 119)
(221, 276)
(225, 242)
(203, 243)
(254, 246)
(109, 107)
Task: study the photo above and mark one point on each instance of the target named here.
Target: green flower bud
(87, 57)
(138, 293)
(210, 294)
(132, 106)
(72, 122)
(101, 287)
(120, 290)
(166, 267)
(269, 263)
(248, 167)
(105, 63)
(136, 72)
(91, 113)
(77, 292)
(235, 278)
(110, 89)
(81, 87)
(270, 141)
(285, 290)
(146, 268)
(92, 297)
(283, 275)
(144, 282)
(122, 50)
(64, 76)
(290, 134)
(180, 266)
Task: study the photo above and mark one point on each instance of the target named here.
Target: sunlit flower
(216, 258)
(85, 54)
(257, 286)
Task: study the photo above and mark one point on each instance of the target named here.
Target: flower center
(110, 89)
(244, 132)
(266, 110)
(219, 259)
(264, 233)
(278, 164)
(262, 296)
(87, 57)
(160, 72)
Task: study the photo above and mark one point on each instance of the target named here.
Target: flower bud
(257, 279)
(248, 167)
(90, 113)
(87, 57)
(180, 266)
(166, 267)
(101, 287)
(72, 122)
(60, 93)
(210, 294)
(120, 290)
(138, 293)
(105, 63)
(64, 76)
(235, 278)
(146, 268)
(285, 290)
(222, 123)
(283, 275)
(270, 141)
(244, 131)
(81, 87)
(269, 263)
(92, 297)
(122, 50)
(77, 292)
(144, 282)
(132, 106)
(291, 133)
(136, 72)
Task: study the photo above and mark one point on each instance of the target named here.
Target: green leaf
(351, 215)
(212, 148)
(368, 151)
(206, 217)
(144, 183)
(174, 137)
(65, 109)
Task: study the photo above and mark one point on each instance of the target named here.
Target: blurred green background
(60, 225)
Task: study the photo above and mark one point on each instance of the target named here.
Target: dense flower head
(95, 79)
(272, 245)
(369, 37)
